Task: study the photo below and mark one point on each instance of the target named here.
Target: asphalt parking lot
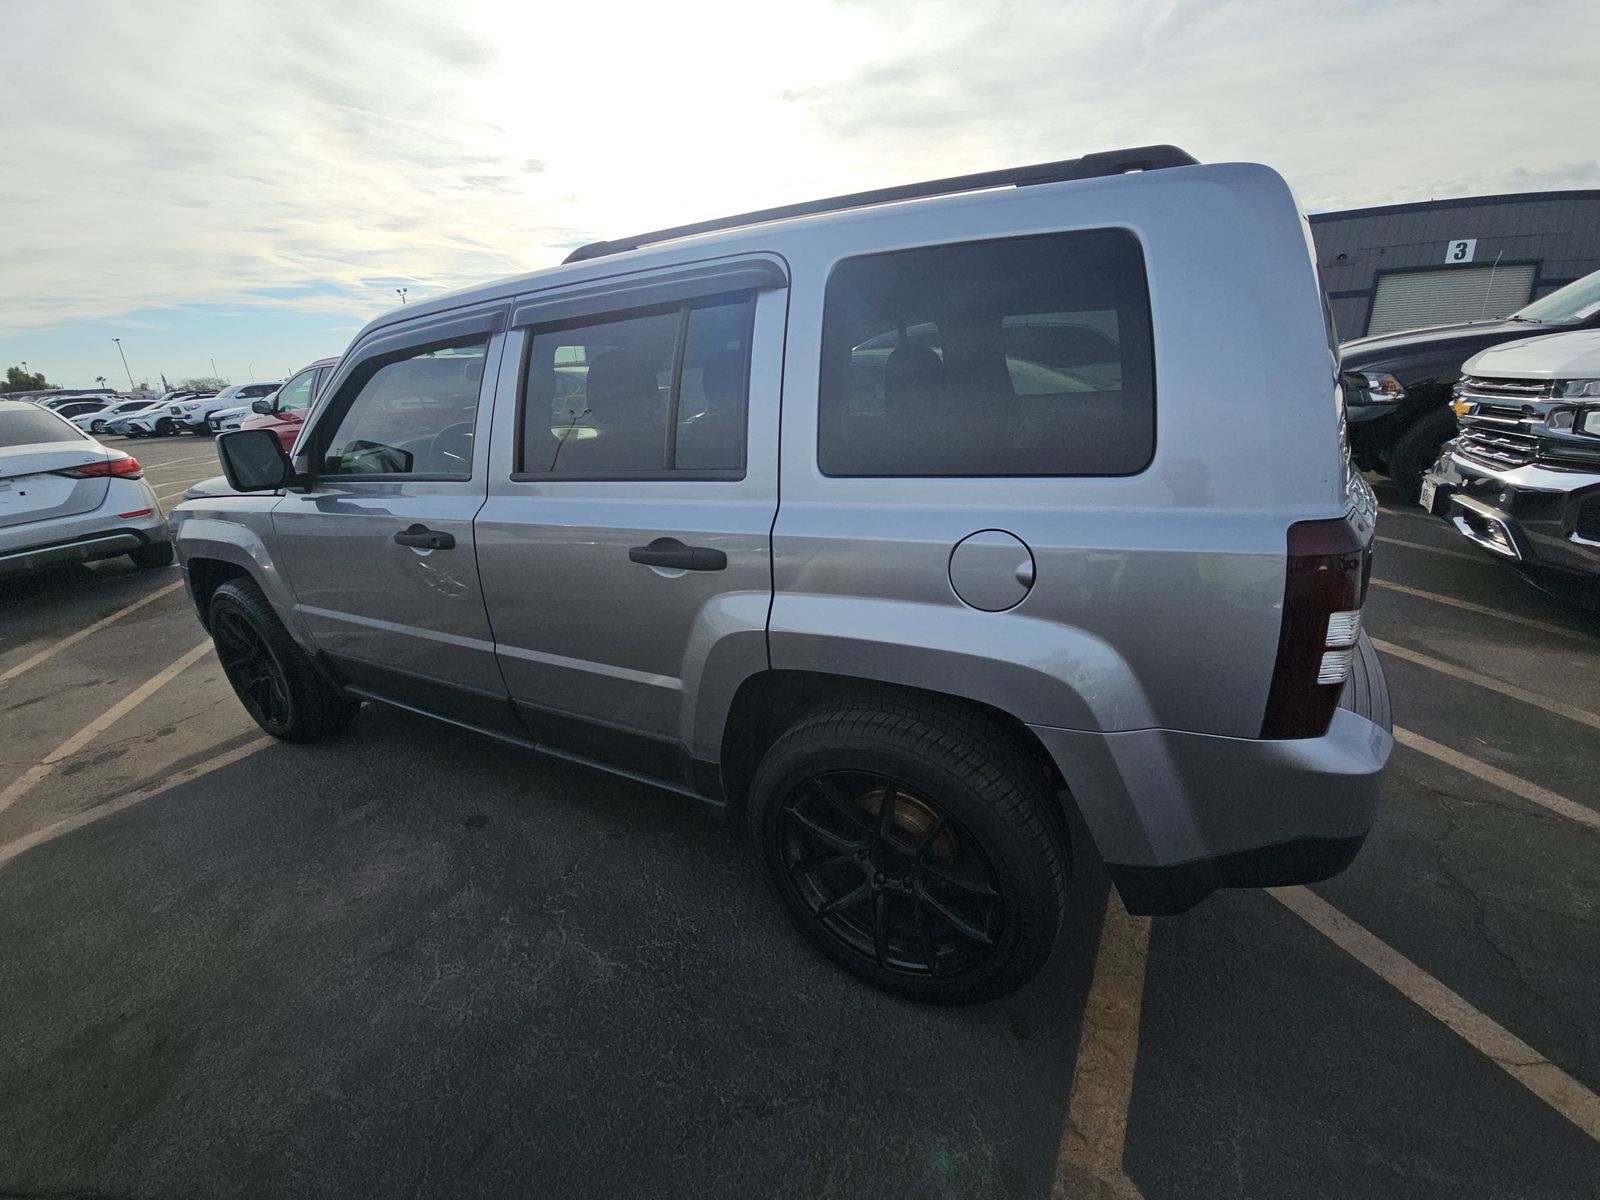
(409, 962)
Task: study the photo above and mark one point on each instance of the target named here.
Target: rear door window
(657, 393)
(1022, 356)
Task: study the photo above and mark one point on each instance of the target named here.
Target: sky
(247, 182)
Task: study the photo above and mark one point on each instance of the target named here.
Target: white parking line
(163, 497)
(25, 783)
(128, 799)
(1507, 1051)
(1439, 550)
(172, 462)
(1504, 780)
(1089, 1160)
(55, 648)
(1485, 611)
(1559, 707)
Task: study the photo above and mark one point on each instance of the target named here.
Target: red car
(284, 410)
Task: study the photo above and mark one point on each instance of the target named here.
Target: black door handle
(423, 538)
(670, 552)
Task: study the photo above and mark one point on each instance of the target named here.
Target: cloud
(307, 157)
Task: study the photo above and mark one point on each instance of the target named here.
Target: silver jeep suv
(913, 522)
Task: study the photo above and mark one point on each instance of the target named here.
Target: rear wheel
(913, 843)
(156, 554)
(270, 674)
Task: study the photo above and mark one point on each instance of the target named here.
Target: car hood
(1553, 356)
(238, 410)
(1434, 335)
(217, 485)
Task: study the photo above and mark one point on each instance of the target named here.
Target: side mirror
(261, 406)
(254, 461)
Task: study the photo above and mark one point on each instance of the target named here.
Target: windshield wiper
(1528, 320)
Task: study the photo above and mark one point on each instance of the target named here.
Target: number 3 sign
(1460, 252)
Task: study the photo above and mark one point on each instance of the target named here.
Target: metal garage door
(1409, 299)
(1413, 298)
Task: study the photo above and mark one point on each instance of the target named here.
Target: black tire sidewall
(1029, 897)
(228, 598)
(1417, 448)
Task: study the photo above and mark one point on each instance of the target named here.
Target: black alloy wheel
(890, 875)
(257, 676)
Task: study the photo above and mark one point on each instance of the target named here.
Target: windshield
(30, 426)
(1578, 301)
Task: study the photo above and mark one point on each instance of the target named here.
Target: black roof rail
(1108, 162)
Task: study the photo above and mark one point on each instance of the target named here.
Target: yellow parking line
(1089, 1160)
(55, 648)
(128, 799)
(1464, 557)
(1484, 610)
(1552, 801)
(1507, 1051)
(25, 783)
(1559, 707)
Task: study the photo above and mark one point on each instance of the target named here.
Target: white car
(155, 421)
(226, 420)
(66, 498)
(95, 421)
(191, 414)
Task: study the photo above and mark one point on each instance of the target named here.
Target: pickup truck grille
(1506, 427)
(1511, 389)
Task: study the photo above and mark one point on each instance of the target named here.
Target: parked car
(283, 412)
(97, 420)
(66, 498)
(191, 414)
(50, 397)
(959, 592)
(1523, 478)
(77, 407)
(157, 420)
(226, 420)
(1397, 386)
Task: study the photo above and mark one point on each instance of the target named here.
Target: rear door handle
(424, 538)
(670, 552)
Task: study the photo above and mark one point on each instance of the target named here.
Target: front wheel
(913, 843)
(270, 674)
(165, 427)
(97, 426)
(1417, 449)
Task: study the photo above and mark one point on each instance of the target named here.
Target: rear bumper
(98, 534)
(1177, 815)
(1538, 519)
(105, 544)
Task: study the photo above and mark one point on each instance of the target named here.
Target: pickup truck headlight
(1372, 387)
(1576, 389)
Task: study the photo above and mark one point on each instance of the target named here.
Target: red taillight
(124, 466)
(1322, 595)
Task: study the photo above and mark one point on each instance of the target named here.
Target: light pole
(125, 366)
(251, 370)
(402, 292)
(214, 374)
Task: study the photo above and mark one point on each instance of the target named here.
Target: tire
(156, 554)
(270, 674)
(165, 427)
(97, 427)
(1417, 449)
(916, 844)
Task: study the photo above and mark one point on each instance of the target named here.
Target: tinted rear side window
(1024, 356)
(28, 426)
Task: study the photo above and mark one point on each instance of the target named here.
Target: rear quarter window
(1011, 357)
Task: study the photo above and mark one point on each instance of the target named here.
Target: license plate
(1426, 499)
